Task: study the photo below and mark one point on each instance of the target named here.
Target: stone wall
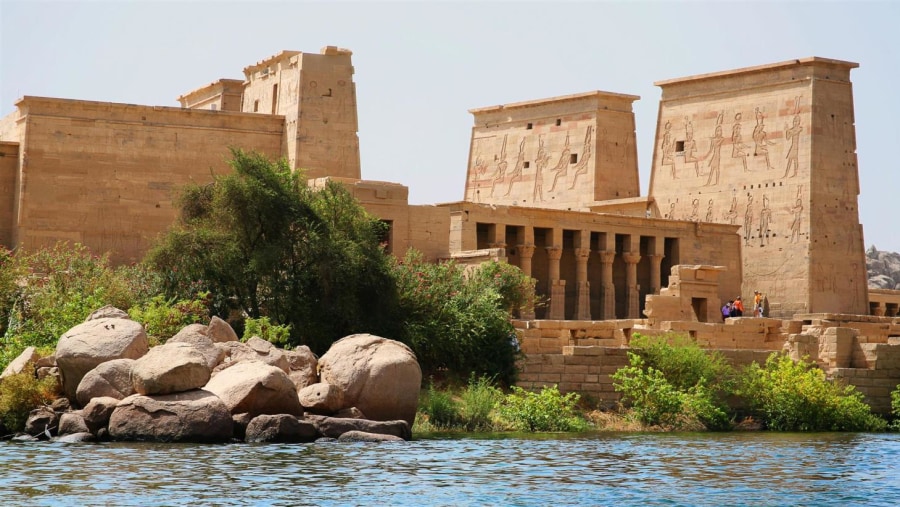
(107, 175)
(562, 153)
(771, 149)
(9, 166)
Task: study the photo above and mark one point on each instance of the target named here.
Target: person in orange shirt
(757, 303)
(738, 307)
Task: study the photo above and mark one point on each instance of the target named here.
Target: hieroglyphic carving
(748, 220)
(760, 141)
(695, 211)
(715, 149)
(690, 147)
(797, 212)
(501, 166)
(562, 165)
(582, 166)
(540, 163)
(731, 215)
(738, 148)
(516, 173)
(793, 133)
(671, 214)
(668, 148)
(765, 215)
(709, 212)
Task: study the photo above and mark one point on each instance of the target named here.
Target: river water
(757, 468)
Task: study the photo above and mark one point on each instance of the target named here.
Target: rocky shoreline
(204, 385)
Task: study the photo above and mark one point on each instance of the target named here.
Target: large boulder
(379, 376)
(334, 427)
(18, 365)
(281, 428)
(192, 416)
(303, 366)
(256, 349)
(362, 436)
(192, 335)
(108, 312)
(112, 378)
(170, 368)
(72, 422)
(256, 388)
(321, 398)
(220, 331)
(91, 343)
(96, 414)
(42, 422)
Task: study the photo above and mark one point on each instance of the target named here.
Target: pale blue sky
(421, 65)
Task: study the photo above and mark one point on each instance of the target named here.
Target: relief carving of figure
(671, 215)
(715, 148)
(540, 163)
(501, 166)
(738, 148)
(797, 212)
(765, 215)
(690, 147)
(760, 141)
(793, 133)
(748, 220)
(667, 148)
(516, 173)
(582, 166)
(732, 213)
(562, 165)
(695, 211)
(709, 212)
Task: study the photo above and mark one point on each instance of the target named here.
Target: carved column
(526, 252)
(655, 278)
(557, 286)
(498, 237)
(632, 290)
(607, 287)
(582, 286)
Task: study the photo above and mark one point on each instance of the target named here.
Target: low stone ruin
(203, 385)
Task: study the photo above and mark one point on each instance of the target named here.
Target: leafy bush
(456, 324)
(895, 408)
(653, 399)
(548, 410)
(796, 396)
(22, 393)
(163, 318)
(263, 328)
(668, 383)
(57, 288)
(478, 401)
(440, 408)
(683, 363)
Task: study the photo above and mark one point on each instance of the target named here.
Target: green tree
(260, 241)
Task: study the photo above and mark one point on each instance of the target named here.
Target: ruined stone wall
(106, 175)
(561, 153)
(770, 149)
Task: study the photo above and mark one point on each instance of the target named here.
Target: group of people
(735, 307)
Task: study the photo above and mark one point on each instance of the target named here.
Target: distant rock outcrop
(883, 269)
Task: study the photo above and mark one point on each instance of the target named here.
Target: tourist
(738, 307)
(757, 303)
(726, 310)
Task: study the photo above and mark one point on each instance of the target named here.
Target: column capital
(554, 252)
(496, 245)
(656, 257)
(631, 257)
(582, 253)
(607, 256)
(525, 250)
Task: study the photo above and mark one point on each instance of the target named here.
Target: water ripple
(597, 469)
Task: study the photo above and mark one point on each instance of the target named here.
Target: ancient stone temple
(754, 170)
(771, 149)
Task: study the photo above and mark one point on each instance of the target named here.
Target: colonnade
(611, 249)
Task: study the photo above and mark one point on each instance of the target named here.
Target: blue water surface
(820, 469)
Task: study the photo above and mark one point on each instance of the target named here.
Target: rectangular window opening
(573, 158)
(529, 126)
(558, 122)
(679, 146)
(527, 165)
